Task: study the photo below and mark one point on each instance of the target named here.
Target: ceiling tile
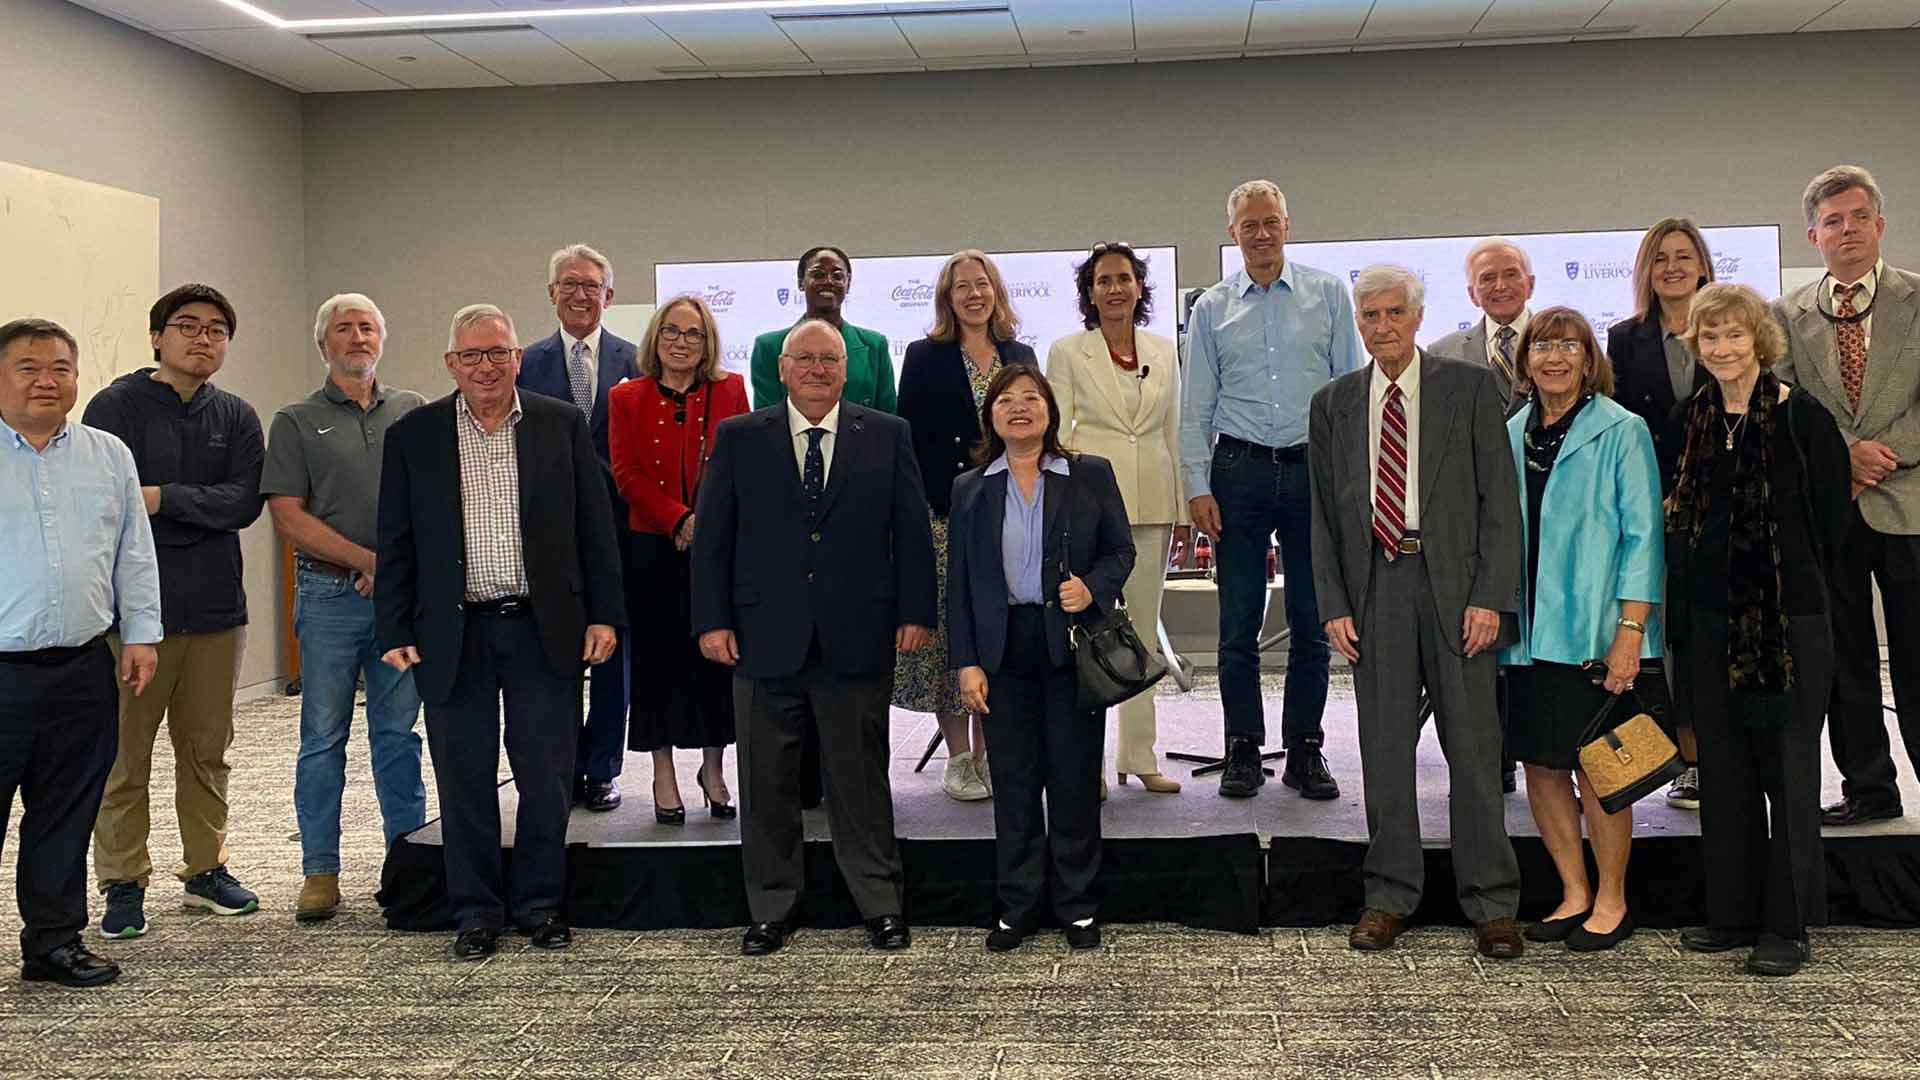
(724, 38)
(1185, 24)
(522, 57)
(1869, 15)
(848, 40)
(1306, 21)
(427, 65)
(1532, 16)
(624, 47)
(213, 15)
(980, 33)
(1758, 17)
(1073, 26)
(287, 57)
(1422, 18)
(1655, 18)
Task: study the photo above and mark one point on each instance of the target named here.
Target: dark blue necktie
(813, 477)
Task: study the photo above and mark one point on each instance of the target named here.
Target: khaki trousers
(193, 691)
(1134, 753)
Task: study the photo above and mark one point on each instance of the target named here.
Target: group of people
(1512, 530)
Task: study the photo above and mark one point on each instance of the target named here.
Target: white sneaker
(961, 782)
(986, 776)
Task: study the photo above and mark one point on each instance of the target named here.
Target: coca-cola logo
(718, 297)
(1726, 266)
(915, 293)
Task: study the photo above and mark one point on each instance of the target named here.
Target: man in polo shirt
(322, 483)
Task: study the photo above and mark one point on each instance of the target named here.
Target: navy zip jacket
(205, 456)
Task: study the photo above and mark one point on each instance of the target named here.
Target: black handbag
(1110, 662)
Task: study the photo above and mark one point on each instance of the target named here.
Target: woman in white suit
(1118, 388)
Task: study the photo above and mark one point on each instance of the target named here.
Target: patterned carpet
(261, 997)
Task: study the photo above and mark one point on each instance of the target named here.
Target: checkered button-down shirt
(490, 505)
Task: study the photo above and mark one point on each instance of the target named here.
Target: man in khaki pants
(199, 453)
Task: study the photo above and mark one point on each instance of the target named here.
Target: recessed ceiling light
(1078, 31)
(496, 15)
(406, 58)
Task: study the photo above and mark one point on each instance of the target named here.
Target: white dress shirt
(1869, 284)
(592, 355)
(1519, 325)
(797, 425)
(1409, 381)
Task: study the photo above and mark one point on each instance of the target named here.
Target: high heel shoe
(722, 811)
(675, 816)
(1154, 782)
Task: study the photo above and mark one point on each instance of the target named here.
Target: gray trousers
(853, 717)
(1404, 648)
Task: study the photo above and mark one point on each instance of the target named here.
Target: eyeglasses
(496, 357)
(810, 361)
(1569, 346)
(1105, 246)
(838, 277)
(191, 329)
(575, 285)
(695, 336)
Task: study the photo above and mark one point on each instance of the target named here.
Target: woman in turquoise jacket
(825, 275)
(1596, 565)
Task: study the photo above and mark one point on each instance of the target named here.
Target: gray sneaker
(1685, 792)
(217, 891)
(126, 915)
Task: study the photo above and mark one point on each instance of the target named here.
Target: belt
(321, 566)
(1409, 543)
(1279, 455)
(506, 605)
(51, 657)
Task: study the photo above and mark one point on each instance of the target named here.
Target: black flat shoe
(889, 932)
(602, 796)
(1716, 939)
(1083, 937)
(72, 964)
(1005, 939)
(1582, 939)
(765, 938)
(476, 944)
(1777, 956)
(553, 933)
(1854, 812)
(1548, 931)
(722, 811)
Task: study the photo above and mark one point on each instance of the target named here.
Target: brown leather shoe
(1376, 930)
(1499, 939)
(319, 898)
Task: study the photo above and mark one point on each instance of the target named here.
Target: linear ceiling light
(497, 15)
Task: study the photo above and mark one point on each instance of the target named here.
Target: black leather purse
(1110, 661)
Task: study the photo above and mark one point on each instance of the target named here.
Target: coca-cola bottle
(1202, 553)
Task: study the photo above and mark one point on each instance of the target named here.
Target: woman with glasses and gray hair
(1591, 506)
(943, 384)
(660, 434)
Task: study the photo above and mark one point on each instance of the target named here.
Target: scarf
(1758, 661)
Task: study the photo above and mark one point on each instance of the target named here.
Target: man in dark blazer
(498, 578)
(1417, 556)
(812, 566)
(1500, 283)
(581, 362)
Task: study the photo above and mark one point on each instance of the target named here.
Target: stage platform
(1192, 858)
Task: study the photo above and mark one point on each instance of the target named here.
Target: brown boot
(319, 898)
(1376, 931)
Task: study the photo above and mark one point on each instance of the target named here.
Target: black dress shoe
(602, 795)
(1306, 773)
(1778, 956)
(1547, 931)
(1509, 782)
(71, 965)
(1083, 937)
(1585, 940)
(551, 933)
(1717, 939)
(764, 938)
(1243, 776)
(1005, 938)
(476, 944)
(889, 932)
(1854, 812)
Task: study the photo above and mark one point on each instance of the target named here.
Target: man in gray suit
(1853, 340)
(1416, 555)
(1500, 283)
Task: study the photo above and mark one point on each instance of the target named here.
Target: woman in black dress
(1758, 512)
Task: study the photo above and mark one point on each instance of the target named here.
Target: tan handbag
(1628, 761)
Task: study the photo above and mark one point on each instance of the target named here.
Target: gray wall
(88, 97)
(431, 200)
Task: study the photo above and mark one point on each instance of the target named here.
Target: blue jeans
(335, 627)
(1261, 498)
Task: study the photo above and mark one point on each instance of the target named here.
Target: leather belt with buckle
(1279, 455)
(1409, 544)
(506, 605)
(321, 566)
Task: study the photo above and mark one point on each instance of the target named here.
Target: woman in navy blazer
(1038, 536)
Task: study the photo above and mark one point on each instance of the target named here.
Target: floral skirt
(921, 681)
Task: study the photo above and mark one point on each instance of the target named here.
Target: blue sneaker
(216, 890)
(126, 915)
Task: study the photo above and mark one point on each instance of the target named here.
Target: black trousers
(852, 716)
(1042, 744)
(501, 657)
(59, 732)
(1858, 727)
(1759, 783)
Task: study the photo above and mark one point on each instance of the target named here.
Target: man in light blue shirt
(1259, 344)
(79, 554)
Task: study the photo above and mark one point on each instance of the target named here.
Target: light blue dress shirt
(1023, 541)
(77, 543)
(1254, 359)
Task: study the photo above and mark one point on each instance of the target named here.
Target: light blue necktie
(580, 379)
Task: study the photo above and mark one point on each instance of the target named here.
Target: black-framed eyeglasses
(496, 357)
(584, 288)
(694, 336)
(191, 329)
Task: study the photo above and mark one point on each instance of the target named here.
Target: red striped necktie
(1390, 495)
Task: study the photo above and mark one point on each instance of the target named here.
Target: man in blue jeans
(322, 482)
(1258, 345)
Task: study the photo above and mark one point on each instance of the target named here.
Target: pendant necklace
(1733, 428)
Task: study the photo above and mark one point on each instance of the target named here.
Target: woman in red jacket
(660, 434)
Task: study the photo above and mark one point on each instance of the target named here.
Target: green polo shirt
(869, 369)
(325, 451)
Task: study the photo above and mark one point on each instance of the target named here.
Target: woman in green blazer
(825, 275)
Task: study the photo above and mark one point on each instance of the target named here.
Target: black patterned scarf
(1758, 661)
